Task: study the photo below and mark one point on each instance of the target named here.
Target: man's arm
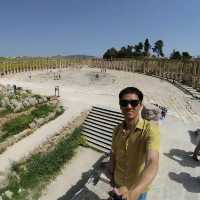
(112, 167)
(112, 157)
(147, 176)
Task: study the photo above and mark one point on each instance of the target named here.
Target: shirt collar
(139, 125)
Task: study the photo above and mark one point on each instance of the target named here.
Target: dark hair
(131, 90)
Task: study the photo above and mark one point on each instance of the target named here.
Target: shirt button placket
(126, 164)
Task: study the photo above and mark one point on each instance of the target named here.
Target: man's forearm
(146, 178)
(112, 168)
(112, 161)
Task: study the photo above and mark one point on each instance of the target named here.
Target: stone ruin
(151, 112)
(16, 99)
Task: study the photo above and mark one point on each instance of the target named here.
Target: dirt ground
(178, 176)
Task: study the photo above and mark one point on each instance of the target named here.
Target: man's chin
(129, 118)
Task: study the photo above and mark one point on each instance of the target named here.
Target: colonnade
(185, 71)
(19, 65)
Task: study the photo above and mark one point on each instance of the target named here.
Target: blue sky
(51, 27)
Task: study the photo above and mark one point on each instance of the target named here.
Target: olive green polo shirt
(131, 151)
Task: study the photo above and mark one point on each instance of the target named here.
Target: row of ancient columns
(11, 67)
(187, 72)
(122, 65)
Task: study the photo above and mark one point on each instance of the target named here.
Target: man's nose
(129, 106)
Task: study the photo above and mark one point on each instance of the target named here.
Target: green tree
(113, 53)
(110, 54)
(186, 55)
(122, 53)
(129, 51)
(147, 47)
(106, 55)
(158, 48)
(175, 55)
(138, 49)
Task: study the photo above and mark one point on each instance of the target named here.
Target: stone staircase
(98, 127)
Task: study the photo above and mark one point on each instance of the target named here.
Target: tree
(106, 54)
(122, 53)
(147, 47)
(113, 53)
(175, 55)
(138, 49)
(158, 48)
(186, 55)
(110, 53)
(129, 51)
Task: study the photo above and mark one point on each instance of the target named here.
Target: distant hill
(74, 56)
(54, 57)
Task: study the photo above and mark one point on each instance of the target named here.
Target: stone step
(106, 115)
(106, 118)
(106, 111)
(109, 134)
(98, 144)
(109, 109)
(99, 123)
(98, 147)
(92, 133)
(96, 126)
(97, 138)
(101, 120)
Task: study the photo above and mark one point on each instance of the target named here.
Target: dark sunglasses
(133, 103)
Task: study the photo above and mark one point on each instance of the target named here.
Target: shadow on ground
(190, 183)
(76, 188)
(183, 157)
(79, 191)
(84, 194)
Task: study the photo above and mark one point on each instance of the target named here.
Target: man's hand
(133, 195)
(126, 194)
(122, 191)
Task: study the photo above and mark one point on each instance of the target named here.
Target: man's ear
(141, 106)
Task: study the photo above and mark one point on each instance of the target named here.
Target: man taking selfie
(135, 148)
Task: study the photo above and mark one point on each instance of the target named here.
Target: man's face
(130, 106)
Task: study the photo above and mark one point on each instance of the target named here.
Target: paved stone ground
(179, 175)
